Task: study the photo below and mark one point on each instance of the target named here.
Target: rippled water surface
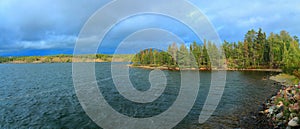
(43, 96)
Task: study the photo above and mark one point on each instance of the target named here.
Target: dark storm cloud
(53, 25)
(45, 24)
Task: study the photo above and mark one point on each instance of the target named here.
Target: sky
(49, 27)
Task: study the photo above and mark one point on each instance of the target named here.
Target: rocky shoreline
(203, 69)
(282, 109)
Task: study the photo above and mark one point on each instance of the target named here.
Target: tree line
(257, 51)
(43, 59)
(196, 56)
(63, 58)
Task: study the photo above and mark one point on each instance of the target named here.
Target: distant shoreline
(203, 69)
(40, 62)
(66, 59)
(148, 67)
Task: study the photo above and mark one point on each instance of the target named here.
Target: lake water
(43, 96)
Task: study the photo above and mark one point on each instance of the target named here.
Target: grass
(286, 79)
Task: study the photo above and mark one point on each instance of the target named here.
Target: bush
(297, 73)
(290, 70)
(4, 59)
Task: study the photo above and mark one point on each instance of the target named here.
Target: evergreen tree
(256, 51)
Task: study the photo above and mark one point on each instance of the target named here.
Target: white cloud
(238, 16)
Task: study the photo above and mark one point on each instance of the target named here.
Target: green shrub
(297, 73)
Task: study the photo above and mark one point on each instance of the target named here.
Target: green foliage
(4, 59)
(182, 57)
(257, 51)
(152, 57)
(297, 73)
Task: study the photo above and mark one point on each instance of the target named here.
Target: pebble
(279, 115)
(273, 98)
(271, 110)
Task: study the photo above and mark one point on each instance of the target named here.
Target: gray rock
(294, 122)
(273, 98)
(280, 123)
(271, 110)
(279, 115)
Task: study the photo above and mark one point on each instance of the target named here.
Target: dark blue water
(43, 96)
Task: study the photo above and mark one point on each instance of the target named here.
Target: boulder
(294, 122)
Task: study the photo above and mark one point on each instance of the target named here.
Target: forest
(257, 51)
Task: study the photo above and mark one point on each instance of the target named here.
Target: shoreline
(61, 58)
(51, 62)
(204, 69)
(150, 67)
(39, 62)
(282, 109)
(273, 111)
